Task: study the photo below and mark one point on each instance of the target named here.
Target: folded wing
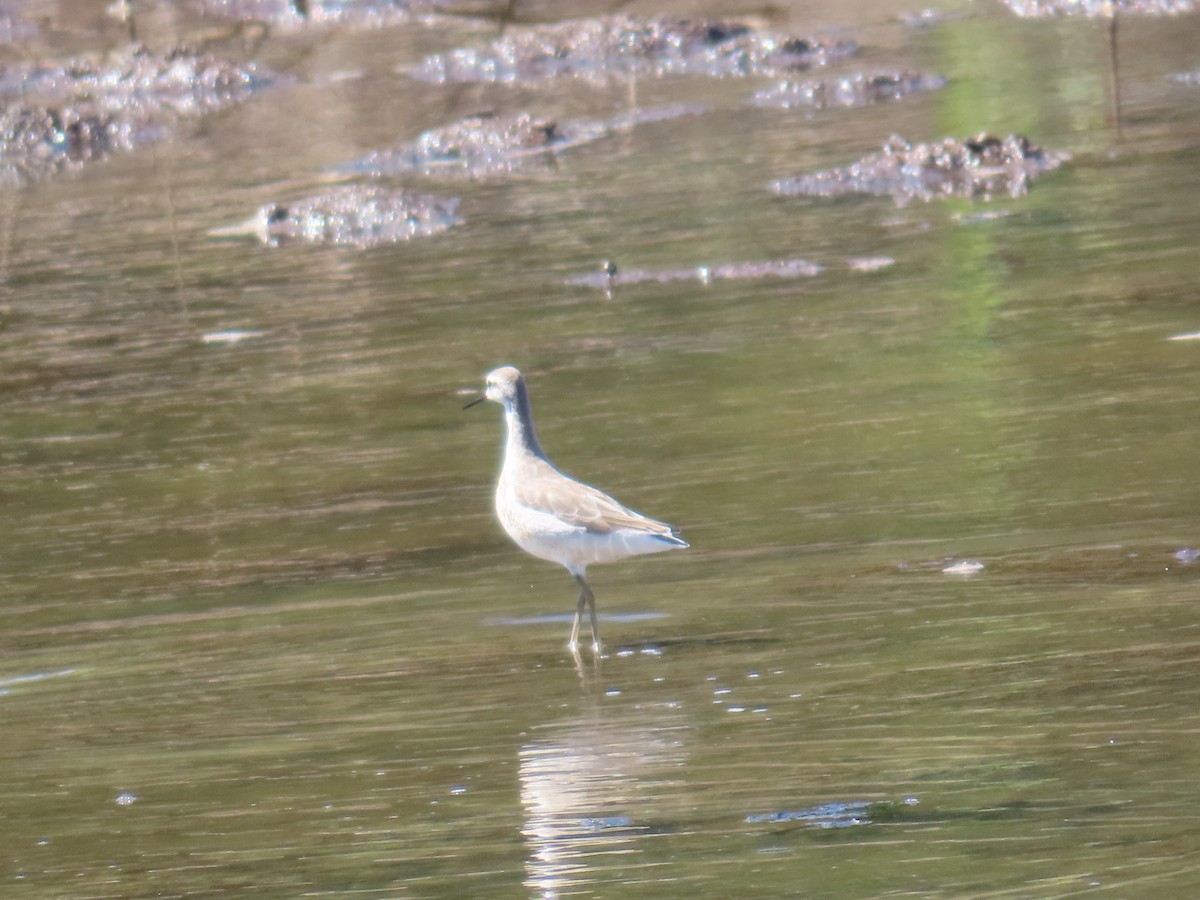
(582, 506)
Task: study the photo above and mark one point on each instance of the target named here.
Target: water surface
(261, 635)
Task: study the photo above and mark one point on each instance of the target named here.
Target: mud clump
(40, 138)
(599, 48)
(477, 145)
(138, 81)
(59, 117)
(980, 167)
(490, 144)
(1097, 9)
(862, 89)
(350, 216)
(360, 14)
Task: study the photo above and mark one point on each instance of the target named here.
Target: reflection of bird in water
(582, 788)
(558, 518)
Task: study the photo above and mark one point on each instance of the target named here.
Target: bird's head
(503, 386)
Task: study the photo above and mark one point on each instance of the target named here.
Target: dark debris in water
(828, 815)
(489, 144)
(350, 216)
(598, 48)
(1098, 9)
(860, 89)
(63, 115)
(979, 167)
(609, 276)
(606, 823)
(838, 814)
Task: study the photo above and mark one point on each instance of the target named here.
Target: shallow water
(261, 635)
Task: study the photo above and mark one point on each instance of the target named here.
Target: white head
(504, 386)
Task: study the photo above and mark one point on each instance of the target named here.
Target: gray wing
(582, 506)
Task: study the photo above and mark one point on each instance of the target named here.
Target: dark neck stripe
(520, 423)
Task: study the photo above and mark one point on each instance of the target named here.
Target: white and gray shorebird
(557, 518)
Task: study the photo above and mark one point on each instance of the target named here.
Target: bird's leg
(586, 596)
(573, 643)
